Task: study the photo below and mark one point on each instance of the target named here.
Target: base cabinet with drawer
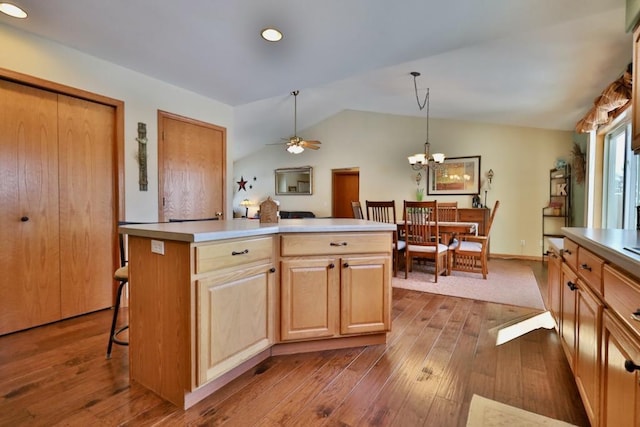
(344, 290)
(202, 313)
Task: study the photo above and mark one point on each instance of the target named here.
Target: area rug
(485, 412)
(508, 282)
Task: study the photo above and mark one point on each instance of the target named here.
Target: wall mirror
(294, 181)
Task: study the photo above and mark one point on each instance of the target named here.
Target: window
(620, 180)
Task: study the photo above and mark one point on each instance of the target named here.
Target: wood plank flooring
(440, 352)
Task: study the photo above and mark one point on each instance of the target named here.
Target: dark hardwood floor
(440, 352)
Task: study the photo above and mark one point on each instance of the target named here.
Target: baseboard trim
(519, 257)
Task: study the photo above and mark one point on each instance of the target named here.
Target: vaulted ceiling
(537, 63)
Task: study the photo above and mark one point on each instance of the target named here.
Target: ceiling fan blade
(311, 142)
(311, 147)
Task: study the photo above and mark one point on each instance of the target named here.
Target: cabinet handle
(272, 270)
(567, 251)
(630, 366)
(636, 315)
(338, 244)
(246, 251)
(332, 265)
(585, 267)
(345, 265)
(572, 285)
(24, 219)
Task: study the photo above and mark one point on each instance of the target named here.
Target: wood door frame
(118, 106)
(345, 171)
(168, 115)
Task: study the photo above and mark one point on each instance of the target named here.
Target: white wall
(378, 144)
(143, 97)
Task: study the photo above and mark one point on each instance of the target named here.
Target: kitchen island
(211, 299)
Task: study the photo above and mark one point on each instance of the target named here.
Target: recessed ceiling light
(12, 10)
(271, 34)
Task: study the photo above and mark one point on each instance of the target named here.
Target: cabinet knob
(345, 265)
(272, 270)
(332, 265)
(572, 285)
(585, 267)
(630, 366)
(24, 219)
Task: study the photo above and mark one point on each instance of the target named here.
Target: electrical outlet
(522, 242)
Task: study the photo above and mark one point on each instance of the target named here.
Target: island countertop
(618, 246)
(203, 231)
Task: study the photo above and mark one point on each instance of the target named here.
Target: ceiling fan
(296, 144)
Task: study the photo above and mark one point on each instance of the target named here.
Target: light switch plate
(157, 247)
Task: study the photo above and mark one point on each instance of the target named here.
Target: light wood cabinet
(620, 380)
(235, 318)
(587, 349)
(309, 298)
(203, 313)
(569, 286)
(346, 293)
(554, 283)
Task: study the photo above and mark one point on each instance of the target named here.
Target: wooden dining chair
(470, 253)
(357, 210)
(447, 211)
(422, 236)
(385, 211)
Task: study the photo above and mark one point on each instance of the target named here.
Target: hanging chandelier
(424, 160)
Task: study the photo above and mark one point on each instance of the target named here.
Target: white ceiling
(537, 63)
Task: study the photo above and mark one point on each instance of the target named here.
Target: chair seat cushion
(465, 246)
(428, 249)
(122, 274)
(401, 245)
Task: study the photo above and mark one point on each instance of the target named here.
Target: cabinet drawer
(232, 253)
(590, 269)
(334, 244)
(570, 253)
(622, 295)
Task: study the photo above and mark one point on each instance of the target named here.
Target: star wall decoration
(241, 183)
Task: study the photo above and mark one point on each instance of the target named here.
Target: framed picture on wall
(456, 175)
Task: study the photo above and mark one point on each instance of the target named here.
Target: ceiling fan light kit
(296, 144)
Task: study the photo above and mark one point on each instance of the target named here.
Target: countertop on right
(618, 246)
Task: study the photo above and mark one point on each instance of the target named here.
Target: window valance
(609, 104)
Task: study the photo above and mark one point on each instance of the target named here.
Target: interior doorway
(345, 189)
(191, 168)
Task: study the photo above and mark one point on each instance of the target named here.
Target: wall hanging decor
(142, 156)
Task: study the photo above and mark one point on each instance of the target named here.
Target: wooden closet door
(191, 168)
(29, 234)
(87, 150)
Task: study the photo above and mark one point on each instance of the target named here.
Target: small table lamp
(246, 203)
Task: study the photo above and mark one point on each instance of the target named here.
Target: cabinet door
(554, 287)
(29, 252)
(309, 298)
(620, 388)
(568, 321)
(234, 319)
(365, 295)
(587, 355)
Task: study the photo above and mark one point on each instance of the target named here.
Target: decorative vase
(419, 194)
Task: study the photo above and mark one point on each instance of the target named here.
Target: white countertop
(610, 244)
(203, 231)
